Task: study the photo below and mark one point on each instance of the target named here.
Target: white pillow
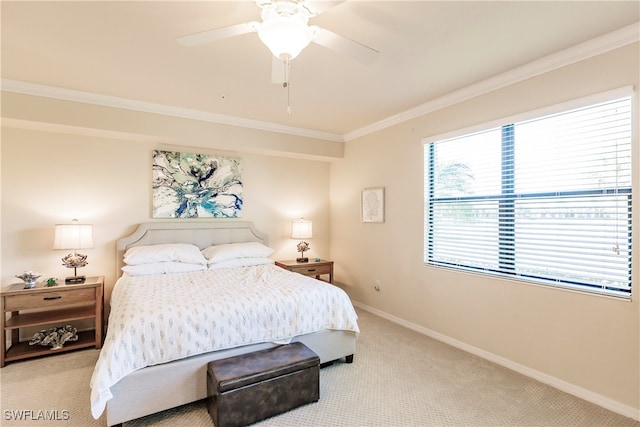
(166, 252)
(219, 253)
(240, 262)
(161, 268)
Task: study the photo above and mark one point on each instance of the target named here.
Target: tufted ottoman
(251, 387)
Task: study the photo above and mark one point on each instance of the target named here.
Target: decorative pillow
(219, 253)
(161, 268)
(240, 262)
(166, 252)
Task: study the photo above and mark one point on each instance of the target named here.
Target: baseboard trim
(588, 395)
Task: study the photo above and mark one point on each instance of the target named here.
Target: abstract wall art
(187, 185)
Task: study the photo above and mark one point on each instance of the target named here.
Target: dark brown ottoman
(251, 387)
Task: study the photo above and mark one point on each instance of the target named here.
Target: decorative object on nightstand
(74, 236)
(302, 229)
(29, 278)
(55, 337)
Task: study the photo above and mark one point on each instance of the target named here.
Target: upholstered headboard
(201, 233)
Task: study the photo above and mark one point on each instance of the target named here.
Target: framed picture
(188, 185)
(372, 205)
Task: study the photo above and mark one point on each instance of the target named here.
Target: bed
(159, 377)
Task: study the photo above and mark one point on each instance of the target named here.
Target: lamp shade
(301, 229)
(73, 236)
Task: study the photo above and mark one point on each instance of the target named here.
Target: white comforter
(157, 319)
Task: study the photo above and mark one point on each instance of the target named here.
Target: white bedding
(160, 318)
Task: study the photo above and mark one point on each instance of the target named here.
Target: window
(546, 200)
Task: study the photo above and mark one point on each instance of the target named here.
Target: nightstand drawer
(311, 270)
(49, 299)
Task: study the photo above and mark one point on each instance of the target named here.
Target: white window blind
(546, 200)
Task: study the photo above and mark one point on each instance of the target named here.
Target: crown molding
(590, 48)
(26, 88)
(599, 45)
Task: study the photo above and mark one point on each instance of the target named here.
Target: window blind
(546, 200)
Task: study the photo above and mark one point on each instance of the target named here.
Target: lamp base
(305, 259)
(74, 280)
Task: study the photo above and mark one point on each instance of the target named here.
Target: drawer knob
(51, 298)
(311, 270)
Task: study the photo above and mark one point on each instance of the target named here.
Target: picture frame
(193, 185)
(372, 205)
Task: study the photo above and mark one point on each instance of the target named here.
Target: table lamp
(302, 229)
(74, 236)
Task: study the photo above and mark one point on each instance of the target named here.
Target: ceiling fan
(285, 31)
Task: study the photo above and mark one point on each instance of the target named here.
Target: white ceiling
(427, 49)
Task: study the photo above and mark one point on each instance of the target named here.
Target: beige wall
(51, 177)
(588, 343)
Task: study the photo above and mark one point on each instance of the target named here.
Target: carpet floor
(399, 378)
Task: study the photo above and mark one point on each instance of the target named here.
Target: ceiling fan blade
(218, 34)
(345, 46)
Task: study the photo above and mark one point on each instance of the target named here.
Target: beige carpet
(399, 378)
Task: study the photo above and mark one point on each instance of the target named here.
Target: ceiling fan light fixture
(285, 36)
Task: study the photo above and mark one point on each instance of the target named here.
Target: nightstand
(49, 307)
(311, 268)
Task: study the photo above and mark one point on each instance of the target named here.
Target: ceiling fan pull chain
(287, 73)
(289, 99)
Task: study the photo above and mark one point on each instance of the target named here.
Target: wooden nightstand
(311, 268)
(50, 307)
